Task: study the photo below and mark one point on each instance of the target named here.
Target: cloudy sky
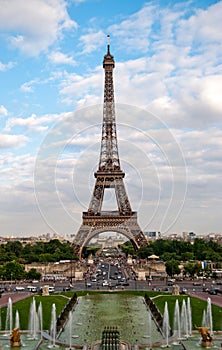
(168, 79)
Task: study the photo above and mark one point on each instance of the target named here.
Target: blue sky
(167, 77)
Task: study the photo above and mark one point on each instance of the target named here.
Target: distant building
(152, 235)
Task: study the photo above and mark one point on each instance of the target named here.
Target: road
(118, 276)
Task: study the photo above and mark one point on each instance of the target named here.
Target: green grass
(197, 307)
(23, 307)
(60, 301)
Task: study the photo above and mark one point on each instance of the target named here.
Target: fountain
(33, 320)
(15, 338)
(207, 338)
(128, 313)
(206, 330)
(166, 327)
(184, 320)
(189, 317)
(53, 327)
(17, 321)
(40, 318)
(209, 318)
(9, 320)
(176, 321)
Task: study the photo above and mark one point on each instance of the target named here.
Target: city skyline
(167, 80)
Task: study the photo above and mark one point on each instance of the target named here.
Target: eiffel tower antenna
(109, 175)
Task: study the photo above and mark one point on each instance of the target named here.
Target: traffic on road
(116, 274)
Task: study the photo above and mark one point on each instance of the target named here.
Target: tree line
(14, 255)
(195, 255)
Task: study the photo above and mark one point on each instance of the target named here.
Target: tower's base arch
(93, 225)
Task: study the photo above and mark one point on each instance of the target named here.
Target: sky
(167, 85)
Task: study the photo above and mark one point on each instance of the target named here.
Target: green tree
(172, 268)
(144, 252)
(167, 256)
(14, 247)
(127, 248)
(46, 257)
(33, 274)
(192, 269)
(13, 270)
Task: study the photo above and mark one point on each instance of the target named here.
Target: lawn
(197, 307)
(60, 301)
(23, 307)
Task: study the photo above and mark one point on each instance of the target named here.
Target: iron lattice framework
(109, 175)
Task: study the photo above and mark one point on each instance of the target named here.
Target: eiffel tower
(109, 175)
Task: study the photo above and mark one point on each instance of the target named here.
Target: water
(166, 326)
(33, 320)
(189, 317)
(17, 321)
(184, 320)
(9, 319)
(128, 313)
(70, 329)
(40, 318)
(209, 318)
(53, 326)
(176, 321)
(149, 330)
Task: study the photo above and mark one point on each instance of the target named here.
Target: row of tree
(167, 250)
(174, 252)
(14, 255)
(13, 270)
(44, 252)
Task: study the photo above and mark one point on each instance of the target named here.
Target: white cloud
(174, 70)
(27, 87)
(61, 58)
(12, 141)
(82, 88)
(184, 81)
(32, 123)
(6, 66)
(34, 25)
(134, 31)
(3, 111)
(92, 41)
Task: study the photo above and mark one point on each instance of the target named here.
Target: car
(125, 284)
(105, 284)
(19, 289)
(183, 291)
(170, 283)
(66, 289)
(212, 292)
(32, 289)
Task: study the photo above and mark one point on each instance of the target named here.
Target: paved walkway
(14, 296)
(215, 299)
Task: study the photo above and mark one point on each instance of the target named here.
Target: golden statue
(15, 337)
(207, 338)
